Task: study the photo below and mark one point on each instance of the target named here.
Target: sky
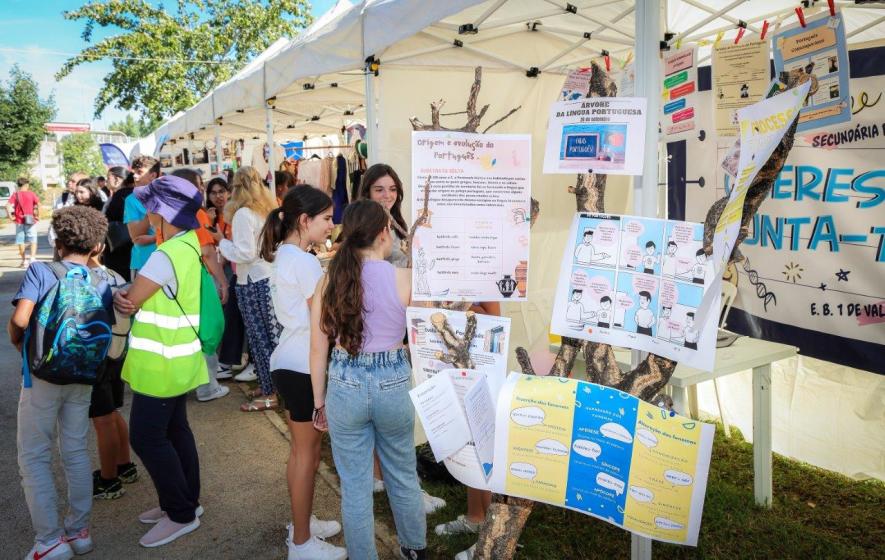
(33, 32)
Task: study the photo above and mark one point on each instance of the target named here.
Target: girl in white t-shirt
(303, 220)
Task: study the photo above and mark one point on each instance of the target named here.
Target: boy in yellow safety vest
(165, 358)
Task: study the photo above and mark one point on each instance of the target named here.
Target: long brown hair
(374, 173)
(342, 314)
(283, 221)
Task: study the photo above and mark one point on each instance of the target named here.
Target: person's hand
(122, 304)
(319, 419)
(216, 235)
(222, 292)
(212, 213)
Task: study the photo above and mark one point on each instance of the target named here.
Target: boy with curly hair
(45, 407)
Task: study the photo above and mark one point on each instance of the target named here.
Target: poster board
(475, 244)
(602, 134)
(679, 93)
(637, 282)
(821, 43)
(741, 74)
(602, 452)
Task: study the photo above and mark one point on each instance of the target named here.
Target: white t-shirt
(158, 269)
(294, 278)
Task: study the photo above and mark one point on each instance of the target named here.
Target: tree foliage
(156, 72)
(23, 116)
(134, 128)
(80, 153)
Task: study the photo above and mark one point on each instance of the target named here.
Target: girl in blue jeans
(361, 306)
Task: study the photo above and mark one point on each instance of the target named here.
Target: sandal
(259, 405)
(255, 394)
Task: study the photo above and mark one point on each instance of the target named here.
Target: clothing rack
(324, 147)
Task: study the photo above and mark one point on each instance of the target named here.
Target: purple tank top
(384, 315)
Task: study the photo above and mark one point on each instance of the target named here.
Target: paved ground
(242, 465)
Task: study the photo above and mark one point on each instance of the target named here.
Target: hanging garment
(339, 195)
(309, 173)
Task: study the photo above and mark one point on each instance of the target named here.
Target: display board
(813, 272)
(637, 282)
(603, 135)
(474, 246)
(602, 452)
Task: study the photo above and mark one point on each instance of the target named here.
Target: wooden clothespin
(742, 28)
(801, 15)
(832, 5)
(764, 30)
(719, 37)
(678, 42)
(627, 60)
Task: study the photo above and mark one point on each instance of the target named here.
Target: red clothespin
(741, 31)
(608, 62)
(801, 15)
(764, 30)
(832, 5)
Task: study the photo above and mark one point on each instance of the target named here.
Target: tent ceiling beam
(863, 28)
(581, 14)
(316, 86)
(524, 19)
(483, 54)
(779, 16)
(569, 49)
(563, 68)
(485, 15)
(241, 126)
(712, 17)
(726, 17)
(576, 33)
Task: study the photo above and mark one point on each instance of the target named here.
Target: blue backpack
(70, 334)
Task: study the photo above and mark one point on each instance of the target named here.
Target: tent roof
(316, 80)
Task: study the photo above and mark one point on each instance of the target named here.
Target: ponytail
(282, 221)
(342, 313)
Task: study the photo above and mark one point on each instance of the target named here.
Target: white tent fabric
(427, 51)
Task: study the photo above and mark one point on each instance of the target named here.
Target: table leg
(693, 409)
(680, 400)
(762, 435)
(640, 547)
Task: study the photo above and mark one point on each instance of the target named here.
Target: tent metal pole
(219, 151)
(268, 117)
(371, 124)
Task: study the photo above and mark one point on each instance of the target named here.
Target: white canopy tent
(425, 51)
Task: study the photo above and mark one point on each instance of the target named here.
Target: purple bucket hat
(175, 199)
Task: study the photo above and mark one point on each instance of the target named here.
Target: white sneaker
(377, 485)
(459, 525)
(432, 503)
(220, 391)
(248, 374)
(166, 531)
(466, 554)
(315, 549)
(81, 543)
(320, 529)
(58, 549)
(223, 372)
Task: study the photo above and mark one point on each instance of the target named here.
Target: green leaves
(80, 153)
(22, 118)
(165, 62)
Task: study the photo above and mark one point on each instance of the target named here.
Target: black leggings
(234, 338)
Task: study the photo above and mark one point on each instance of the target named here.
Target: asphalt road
(242, 459)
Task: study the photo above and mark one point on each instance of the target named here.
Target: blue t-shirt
(133, 211)
(39, 279)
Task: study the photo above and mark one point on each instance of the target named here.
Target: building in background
(46, 165)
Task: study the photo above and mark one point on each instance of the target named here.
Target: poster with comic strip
(637, 282)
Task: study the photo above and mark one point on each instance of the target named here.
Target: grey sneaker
(459, 525)
(166, 531)
(412, 554)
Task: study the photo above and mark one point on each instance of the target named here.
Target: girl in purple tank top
(360, 307)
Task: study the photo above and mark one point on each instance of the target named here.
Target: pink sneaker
(166, 531)
(154, 515)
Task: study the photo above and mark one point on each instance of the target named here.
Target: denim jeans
(45, 410)
(368, 407)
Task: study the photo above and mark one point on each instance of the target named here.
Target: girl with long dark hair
(303, 220)
(360, 307)
(381, 184)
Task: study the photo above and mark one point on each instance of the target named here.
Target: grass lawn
(816, 514)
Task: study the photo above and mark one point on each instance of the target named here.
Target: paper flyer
(762, 125)
(741, 74)
(820, 48)
(679, 93)
(604, 135)
(576, 85)
(475, 244)
(602, 452)
(441, 413)
(489, 352)
(637, 282)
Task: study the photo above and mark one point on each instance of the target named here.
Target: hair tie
(280, 215)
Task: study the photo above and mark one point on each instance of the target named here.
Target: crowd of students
(327, 346)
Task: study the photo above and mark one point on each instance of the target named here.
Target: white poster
(489, 354)
(637, 282)
(679, 88)
(474, 245)
(441, 413)
(603, 135)
(740, 75)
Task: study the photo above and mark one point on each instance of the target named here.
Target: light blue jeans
(368, 407)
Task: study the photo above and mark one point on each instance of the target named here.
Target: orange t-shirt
(203, 235)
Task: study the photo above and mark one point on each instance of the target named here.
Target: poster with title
(488, 351)
(637, 282)
(602, 134)
(740, 75)
(474, 245)
(818, 48)
(679, 87)
(576, 85)
(602, 452)
(815, 253)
